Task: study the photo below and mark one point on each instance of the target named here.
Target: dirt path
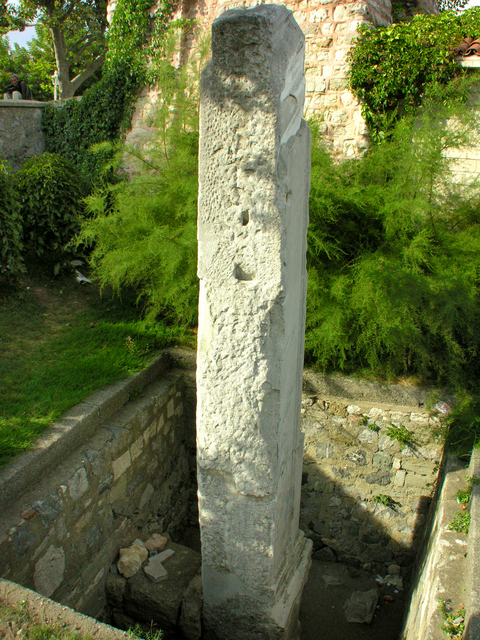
(329, 585)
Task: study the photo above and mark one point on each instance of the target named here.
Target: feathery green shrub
(143, 230)
(394, 256)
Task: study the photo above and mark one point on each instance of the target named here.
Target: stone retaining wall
(448, 567)
(21, 134)
(366, 495)
(127, 471)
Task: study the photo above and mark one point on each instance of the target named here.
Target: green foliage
(400, 433)
(11, 262)
(136, 31)
(143, 231)
(460, 522)
(463, 495)
(60, 342)
(454, 625)
(394, 256)
(137, 632)
(71, 130)
(385, 500)
(36, 64)
(392, 68)
(464, 424)
(50, 196)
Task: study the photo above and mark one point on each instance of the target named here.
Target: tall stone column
(253, 216)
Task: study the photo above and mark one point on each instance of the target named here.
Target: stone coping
(46, 611)
(74, 427)
(470, 62)
(472, 586)
(29, 104)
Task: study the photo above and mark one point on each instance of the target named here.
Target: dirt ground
(329, 585)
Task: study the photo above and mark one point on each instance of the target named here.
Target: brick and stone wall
(127, 470)
(21, 134)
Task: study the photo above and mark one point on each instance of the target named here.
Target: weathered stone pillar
(253, 216)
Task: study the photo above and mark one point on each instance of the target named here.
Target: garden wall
(21, 134)
(116, 467)
(448, 567)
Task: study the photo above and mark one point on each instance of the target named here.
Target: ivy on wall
(393, 68)
(107, 107)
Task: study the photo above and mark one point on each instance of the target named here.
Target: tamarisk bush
(394, 255)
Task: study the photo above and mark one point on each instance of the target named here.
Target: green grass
(19, 620)
(454, 621)
(59, 342)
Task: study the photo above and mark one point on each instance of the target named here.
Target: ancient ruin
(253, 214)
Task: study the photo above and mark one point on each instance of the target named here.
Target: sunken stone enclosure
(121, 466)
(118, 466)
(358, 466)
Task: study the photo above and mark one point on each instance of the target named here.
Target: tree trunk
(68, 87)
(65, 86)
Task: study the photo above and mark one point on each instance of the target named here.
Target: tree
(77, 31)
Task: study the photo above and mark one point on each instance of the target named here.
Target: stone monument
(253, 217)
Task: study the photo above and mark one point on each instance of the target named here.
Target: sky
(22, 37)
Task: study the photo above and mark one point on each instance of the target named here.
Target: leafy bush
(49, 192)
(391, 68)
(394, 257)
(11, 262)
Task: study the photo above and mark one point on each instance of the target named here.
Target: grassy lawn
(26, 621)
(59, 342)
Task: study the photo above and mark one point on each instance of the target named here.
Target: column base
(258, 617)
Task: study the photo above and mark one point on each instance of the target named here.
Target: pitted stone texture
(254, 181)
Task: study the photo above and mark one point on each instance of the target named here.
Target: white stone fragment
(353, 408)
(156, 542)
(155, 570)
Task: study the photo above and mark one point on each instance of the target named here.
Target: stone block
(361, 605)
(190, 621)
(115, 586)
(155, 570)
(318, 15)
(78, 484)
(424, 468)
(399, 480)
(161, 602)
(414, 481)
(156, 542)
(136, 448)
(254, 159)
(49, 571)
(121, 464)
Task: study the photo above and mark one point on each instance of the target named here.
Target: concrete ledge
(470, 62)
(71, 430)
(29, 104)
(46, 611)
(472, 578)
